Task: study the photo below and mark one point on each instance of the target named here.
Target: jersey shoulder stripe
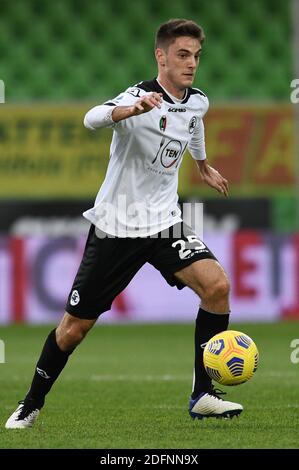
(193, 91)
(153, 85)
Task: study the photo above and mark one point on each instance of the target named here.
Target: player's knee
(70, 336)
(217, 290)
(75, 334)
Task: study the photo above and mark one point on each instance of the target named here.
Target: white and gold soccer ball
(230, 357)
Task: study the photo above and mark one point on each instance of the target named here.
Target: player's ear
(160, 56)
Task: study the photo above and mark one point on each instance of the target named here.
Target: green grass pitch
(127, 387)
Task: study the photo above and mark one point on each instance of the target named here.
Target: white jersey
(139, 194)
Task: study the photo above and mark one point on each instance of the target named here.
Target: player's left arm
(208, 174)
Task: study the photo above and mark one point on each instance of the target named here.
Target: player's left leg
(184, 260)
(208, 280)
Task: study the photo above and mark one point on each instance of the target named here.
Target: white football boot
(208, 405)
(24, 416)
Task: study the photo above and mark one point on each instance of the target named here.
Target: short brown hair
(168, 32)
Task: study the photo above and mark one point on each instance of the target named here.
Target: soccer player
(136, 219)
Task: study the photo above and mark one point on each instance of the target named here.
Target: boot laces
(29, 407)
(217, 392)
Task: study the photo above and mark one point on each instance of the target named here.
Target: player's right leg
(59, 345)
(107, 267)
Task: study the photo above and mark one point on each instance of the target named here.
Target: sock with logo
(51, 362)
(207, 325)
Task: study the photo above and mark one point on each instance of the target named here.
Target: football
(230, 357)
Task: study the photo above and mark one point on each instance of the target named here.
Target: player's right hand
(147, 103)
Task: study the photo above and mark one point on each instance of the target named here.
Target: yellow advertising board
(45, 151)
(252, 146)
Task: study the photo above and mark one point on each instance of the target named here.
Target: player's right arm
(145, 104)
(123, 107)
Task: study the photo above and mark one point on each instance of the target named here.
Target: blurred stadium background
(60, 58)
(129, 382)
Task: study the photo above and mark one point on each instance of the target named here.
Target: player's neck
(170, 88)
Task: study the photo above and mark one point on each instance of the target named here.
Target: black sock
(51, 362)
(207, 325)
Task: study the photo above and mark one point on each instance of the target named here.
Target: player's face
(181, 60)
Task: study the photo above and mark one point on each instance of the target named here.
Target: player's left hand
(213, 178)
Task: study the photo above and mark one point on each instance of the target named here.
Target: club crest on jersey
(162, 123)
(192, 124)
(75, 298)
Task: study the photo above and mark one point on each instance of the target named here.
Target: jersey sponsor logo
(75, 298)
(163, 123)
(171, 153)
(42, 373)
(192, 124)
(177, 110)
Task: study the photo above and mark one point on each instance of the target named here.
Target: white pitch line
(139, 378)
(274, 407)
(277, 373)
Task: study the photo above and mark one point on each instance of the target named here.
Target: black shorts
(110, 263)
